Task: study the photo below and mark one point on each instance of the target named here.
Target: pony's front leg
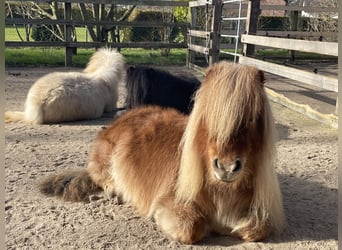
(182, 223)
(253, 231)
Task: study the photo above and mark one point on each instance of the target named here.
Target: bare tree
(89, 12)
(324, 21)
(165, 32)
(41, 13)
(103, 12)
(319, 21)
(23, 9)
(32, 10)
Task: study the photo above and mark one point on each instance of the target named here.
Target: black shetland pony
(151, 86)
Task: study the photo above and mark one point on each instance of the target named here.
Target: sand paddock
(306, 164)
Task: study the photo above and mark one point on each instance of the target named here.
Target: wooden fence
(69, 22)
(250, 37)
(208, 38)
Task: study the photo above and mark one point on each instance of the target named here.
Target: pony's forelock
(233, 97)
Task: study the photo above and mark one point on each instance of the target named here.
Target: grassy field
(14, 33)
(55, 57)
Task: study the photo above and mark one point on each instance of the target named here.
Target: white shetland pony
(70, 96)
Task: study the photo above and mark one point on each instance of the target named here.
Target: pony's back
(152, 86)
(144, 162)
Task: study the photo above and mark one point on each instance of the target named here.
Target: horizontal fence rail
(156, 45)
(324, 82)
(298, 8)
(297, 34)
(324, 48)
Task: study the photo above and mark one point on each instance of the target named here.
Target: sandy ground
(306, 164)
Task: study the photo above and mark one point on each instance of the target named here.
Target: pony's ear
(262, 77)
(130, 69)
(209, 71)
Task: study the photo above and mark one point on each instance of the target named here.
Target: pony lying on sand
(146, 85)
(211, 171)
(70, 96)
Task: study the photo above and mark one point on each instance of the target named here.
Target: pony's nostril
(215, 162)
(237, 165)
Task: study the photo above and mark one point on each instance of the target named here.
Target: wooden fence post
(190, 58)
(97, 19)
(253, 12)
(68, 32)
(294, 27)
(215, 32)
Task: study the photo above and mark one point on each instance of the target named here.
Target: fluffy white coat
(70, 96)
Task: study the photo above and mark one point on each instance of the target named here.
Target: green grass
(55, 57)
(34, 56)
(81, 34)
(177, 57)
(11, 34)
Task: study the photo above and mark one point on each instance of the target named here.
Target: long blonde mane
(229, 98)
(107, 64)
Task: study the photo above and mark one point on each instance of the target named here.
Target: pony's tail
(73, 185)
(34, 112)
(14, 116)
(33, 115)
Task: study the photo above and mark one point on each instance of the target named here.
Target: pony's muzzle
(227, 171)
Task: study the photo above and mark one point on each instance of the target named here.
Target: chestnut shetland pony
(152, 86)
(70, 96)
(211, 171)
